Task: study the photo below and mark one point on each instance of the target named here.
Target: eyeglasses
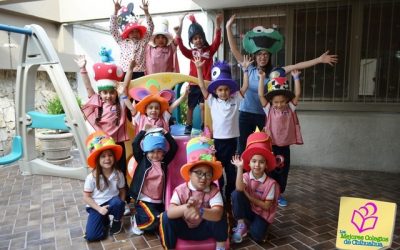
(200, 175)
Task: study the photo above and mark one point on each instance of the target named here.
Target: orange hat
(200, 150)
(259, 143)
(141, 106)
(99, 141)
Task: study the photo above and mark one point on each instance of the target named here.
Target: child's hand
(191, 213)
(198, 62)
(295, 73)
(81, 61)
(132, 65)
(145, 6)
(247, 61)
(103, 210)
(121, 87)
(218, 20)
(230, 22)
(182, 17)
(117, 6)
(186, 93)
(261, 74)
(237, 161)
(325, 58)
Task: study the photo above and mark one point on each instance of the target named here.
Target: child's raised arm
(263, 100)
(122, 88)
(238, 162)
(297, 88)
(178, 31)
(324, 58)
(117, 6)
(81, 61)
(199, 65)
(231, 40)
(178, 101)
(247, 61)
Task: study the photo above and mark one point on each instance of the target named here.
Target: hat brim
(166, 34)
(269, 157)
(220, 82)
(141, 106)
(142, 30)
(215, 165)
(289, 94)
(117, 149)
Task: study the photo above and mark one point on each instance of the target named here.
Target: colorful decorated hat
(127, 22)
(99, 141)
(161, 28)
(194, 29)
(260, 38)
(200, 150)
(154, 140)
(278, 84)
(221, 75)
(259, 143)
(107, 75)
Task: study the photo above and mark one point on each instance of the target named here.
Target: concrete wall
(349, 140)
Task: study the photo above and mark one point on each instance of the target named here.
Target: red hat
(129, 27)
(107, 75)
(259, 143)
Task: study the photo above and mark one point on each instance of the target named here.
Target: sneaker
(282, 202)
(135, 229)
(127, 210)
(188, 129)
(239, 233)
(116, 227)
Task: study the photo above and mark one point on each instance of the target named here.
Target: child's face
(279, 102)
(223, 92)
(201, 176)
(155, 155)
(109, 96)
(197, 41)
(106, 159)
(258, 165)
(153, 110)
(160, 41)
(134, 35)
(262, 58)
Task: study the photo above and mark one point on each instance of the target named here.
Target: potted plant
(56, 144)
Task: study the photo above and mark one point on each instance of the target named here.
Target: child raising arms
(282, 124)
(206, 52)
(196, 208)
(256, 195)
(224, 96)
(104, 188)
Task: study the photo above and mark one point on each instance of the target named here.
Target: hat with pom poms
(107, 75)
(194, 29)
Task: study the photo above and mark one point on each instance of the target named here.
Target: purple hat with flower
(221, 75)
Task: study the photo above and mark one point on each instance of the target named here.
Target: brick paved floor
(44, 212)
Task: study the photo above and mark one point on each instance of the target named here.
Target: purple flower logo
(363, 218)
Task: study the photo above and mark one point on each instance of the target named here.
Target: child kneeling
(196, 208)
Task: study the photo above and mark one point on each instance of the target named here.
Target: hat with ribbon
(196, 29)
(161, 28)
(200, 150)
(278, 84)
(260, 143)
(107, 75)
(221, 75)
(99, 141)
(127, 22)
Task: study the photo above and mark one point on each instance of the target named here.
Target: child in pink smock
(161, 53)
(282, 123)
(134, 36)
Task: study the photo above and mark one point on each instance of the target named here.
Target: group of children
(256, 164)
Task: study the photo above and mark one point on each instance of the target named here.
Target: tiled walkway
(44, 212)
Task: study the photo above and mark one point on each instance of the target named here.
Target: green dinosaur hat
(260, 38)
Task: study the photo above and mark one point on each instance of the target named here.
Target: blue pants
(281, 174)
(225, 149)
(147, 215)
(242, 210)
(97, 224)
(172, 229)
(247, 125)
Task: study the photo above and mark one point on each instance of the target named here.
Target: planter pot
(56, 146)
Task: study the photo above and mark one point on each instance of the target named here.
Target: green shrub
(54, 106)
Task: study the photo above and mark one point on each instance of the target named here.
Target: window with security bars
(364, 34)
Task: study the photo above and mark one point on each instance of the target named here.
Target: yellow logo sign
(365, 224)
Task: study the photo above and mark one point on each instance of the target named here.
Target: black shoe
(188, 129)
(202, 126)
(116, 227)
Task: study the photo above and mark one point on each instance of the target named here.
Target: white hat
(161, 29)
